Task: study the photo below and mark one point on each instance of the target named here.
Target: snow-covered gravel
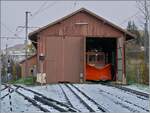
(91, 104)
(31, 96)
(141, 88)
(114, 99)
(4, 92)
(52, 91)
(26, 93)
(111, 98)
(74, 101)
(2, 86)
(19, 104)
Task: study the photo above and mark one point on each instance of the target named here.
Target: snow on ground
(75, 102)
(91, 104)
(26, 93)
(102, 100)
(138, 87)
(111, 98)
(52, 91)
(19, 104)
(114, 99)
(4, 92)
(2, 86)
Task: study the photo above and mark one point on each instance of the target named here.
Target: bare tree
(144, 7)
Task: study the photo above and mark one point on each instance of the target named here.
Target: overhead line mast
(26, 41)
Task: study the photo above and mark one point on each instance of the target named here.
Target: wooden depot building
(78, 47)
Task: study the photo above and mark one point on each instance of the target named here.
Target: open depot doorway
(101, 52)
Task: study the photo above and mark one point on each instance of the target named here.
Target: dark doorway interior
(102, 51)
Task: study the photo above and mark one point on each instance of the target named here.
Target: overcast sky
(45, 12)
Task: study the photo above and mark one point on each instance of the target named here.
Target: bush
(137, 73)
(26, 81)
(145, 73)
(131, 74)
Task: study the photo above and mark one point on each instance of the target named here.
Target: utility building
(75, 46)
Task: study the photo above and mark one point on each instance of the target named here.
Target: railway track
(6, 92)
(85, 103)
(138, 93)
(126, 100)
(77, 100)
(4, 88)
(42, 102)
(66, 97)
(123, 102)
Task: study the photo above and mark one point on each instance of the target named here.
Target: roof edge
(88, 11)
(28, 58)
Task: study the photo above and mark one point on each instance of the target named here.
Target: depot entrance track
(81, 98)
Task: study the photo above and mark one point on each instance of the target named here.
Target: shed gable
(94, 27)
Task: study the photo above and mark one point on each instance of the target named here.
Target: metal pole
(146, 44)
(26, 42)
(0, 69)
(6, 56)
